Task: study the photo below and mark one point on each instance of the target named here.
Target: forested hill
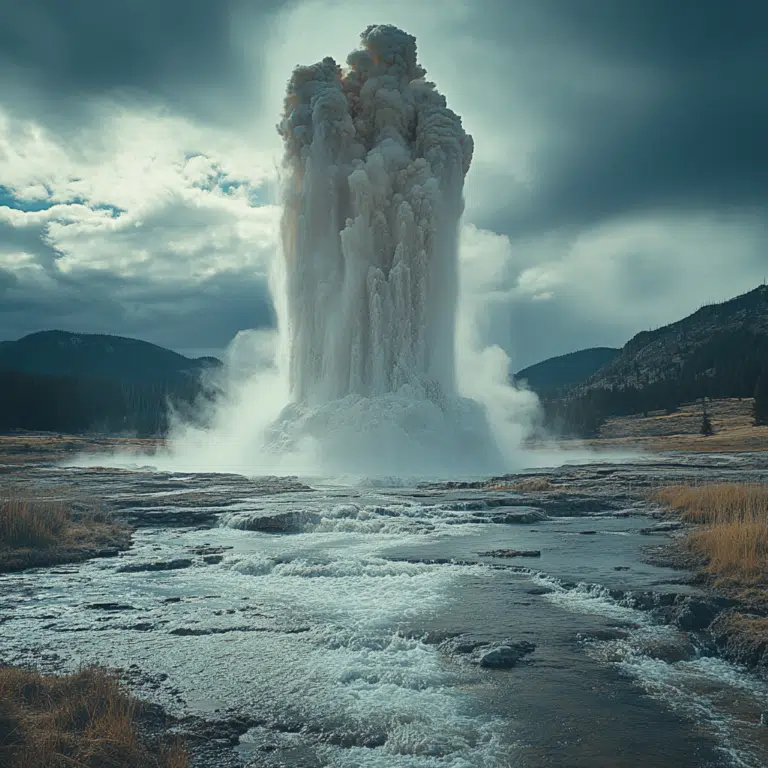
(60, 353)
(556, 374)
(721, 350)
(719, 341)
(56, 381)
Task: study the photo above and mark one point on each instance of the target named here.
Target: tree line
(77, 404)
(729, 365)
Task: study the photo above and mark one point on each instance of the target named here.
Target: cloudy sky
(619, 178)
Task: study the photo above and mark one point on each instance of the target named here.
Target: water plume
(374, 169)
(361, 377)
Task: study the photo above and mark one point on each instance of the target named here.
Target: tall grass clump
(29, 523)
(83, 719)
(733, 537)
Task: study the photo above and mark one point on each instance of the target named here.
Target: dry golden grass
(25, 523)
(83, 719)
(40, 531)
(718, 503)
(734, 534)
(732, 420)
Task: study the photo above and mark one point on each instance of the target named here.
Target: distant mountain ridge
(719, 351)
(62, 353)
(56, 381)
(556, 374)
(713, 337)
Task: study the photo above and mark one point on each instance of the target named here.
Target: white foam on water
(587, 598)
(709, 691)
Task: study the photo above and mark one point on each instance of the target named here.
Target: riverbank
(83, 719)
(725, 547)
(286, 623)
(43, 532)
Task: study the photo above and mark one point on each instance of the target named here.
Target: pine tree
(706, 423)
(760, 405)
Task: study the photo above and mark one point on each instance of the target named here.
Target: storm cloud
(618, 180)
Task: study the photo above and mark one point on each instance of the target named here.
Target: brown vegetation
(732, 421)
(733, 537)
(526, 485)
(39, 532)
(83, 719)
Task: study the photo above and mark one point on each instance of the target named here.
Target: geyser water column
(374, 170)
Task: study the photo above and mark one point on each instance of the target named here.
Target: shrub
(82, 719)
(26, 523)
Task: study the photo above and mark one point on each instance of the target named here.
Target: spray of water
(362, 378)
(374, 170)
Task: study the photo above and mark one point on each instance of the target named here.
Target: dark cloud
(200, 314)
(626, 109)
(55, 55)
(647, 105)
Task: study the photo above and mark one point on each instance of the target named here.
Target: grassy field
(732, 532)
(40, 532)
(83, 719)
(659, 431)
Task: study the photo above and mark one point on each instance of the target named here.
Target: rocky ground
(589, 499)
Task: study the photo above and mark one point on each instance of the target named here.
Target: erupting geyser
(375, 166)
(374, 170)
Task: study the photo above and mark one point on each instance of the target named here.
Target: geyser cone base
(394, 434)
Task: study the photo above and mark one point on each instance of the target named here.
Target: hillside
(720, 351)
(54, 381)
(558, 373)
(60, 353)
(714, 341)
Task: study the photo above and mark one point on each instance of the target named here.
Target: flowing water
(344, 623)
(325, 614)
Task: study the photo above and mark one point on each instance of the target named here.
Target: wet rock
(271, 522)
(648, 600)
(742, 638)
(519, 516)
(109, 607)
(213, 559)
(485, 653)
(208, 550)
(679, 649)
(108, 552)
(504, 656)
(162, 565)
(463, 644)
(665, 527)
(694, 614)
(202, 631)
(603, 635)
(511, 553)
